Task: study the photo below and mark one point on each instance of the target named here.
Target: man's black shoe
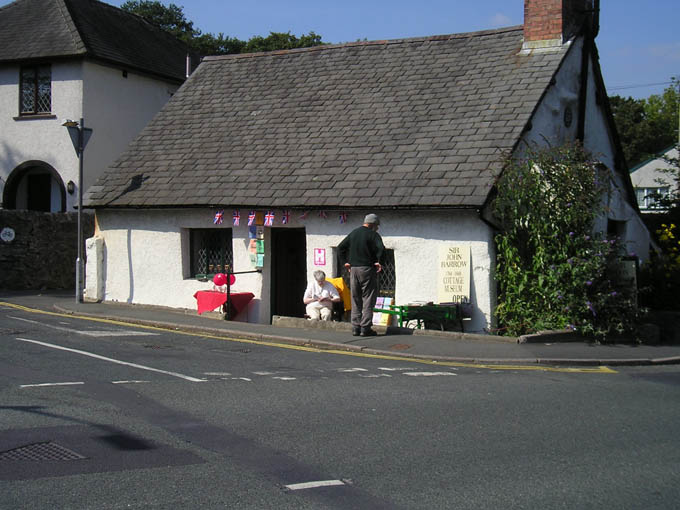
(356, 331)
(368, 332)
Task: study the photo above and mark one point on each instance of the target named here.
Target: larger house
(303, 143)
(75, 59)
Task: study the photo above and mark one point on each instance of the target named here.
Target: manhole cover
(400, 347)
(40, 451)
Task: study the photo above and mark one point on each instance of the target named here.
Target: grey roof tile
(412, 123)
(44, 29)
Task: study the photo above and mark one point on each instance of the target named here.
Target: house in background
(73, 59)
(306, 142)
(650, 180)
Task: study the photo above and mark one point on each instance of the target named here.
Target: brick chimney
(554, 22)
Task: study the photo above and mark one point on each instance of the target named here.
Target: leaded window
(387, 278)
(35, 90)
(211, 252)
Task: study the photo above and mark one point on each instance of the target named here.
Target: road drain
(40, 451)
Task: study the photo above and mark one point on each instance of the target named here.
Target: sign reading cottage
(303, 143)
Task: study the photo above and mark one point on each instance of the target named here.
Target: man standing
(363, 249)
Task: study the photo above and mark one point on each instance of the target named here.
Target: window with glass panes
(211, 251)
(35, 90)
(648, 197)
(387, 278)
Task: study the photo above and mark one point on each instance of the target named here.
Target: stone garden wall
(38, 250)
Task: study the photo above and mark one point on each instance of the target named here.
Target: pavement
(535, 350)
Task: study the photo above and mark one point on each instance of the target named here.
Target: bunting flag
(251, 218)
(285, 217)
(218, 217)
(304, 215)
(237, 218)
(343, 217)
(269, 219)
(322, 214)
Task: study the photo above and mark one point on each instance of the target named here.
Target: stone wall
(43, 252)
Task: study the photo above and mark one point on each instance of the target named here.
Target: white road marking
(284, 378)
(373, 376)
(352, 370)
(265, 373)
(217, 373)
(97, 334)
(394, 369)
(313, 485)
(427, 374)
(129, 382)
(104, 358)
(50, 384)
(238, 379)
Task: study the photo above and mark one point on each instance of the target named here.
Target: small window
(387, 278)
(648, 198)
(35, 90)
(211, 251)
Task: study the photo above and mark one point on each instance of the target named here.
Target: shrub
(660, 276)
(552, 270)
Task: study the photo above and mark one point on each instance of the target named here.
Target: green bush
(552, 270)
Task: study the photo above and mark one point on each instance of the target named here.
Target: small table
(208, 300)
(424, 315)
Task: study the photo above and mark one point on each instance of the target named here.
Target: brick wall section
(553, 19)
(44, 251)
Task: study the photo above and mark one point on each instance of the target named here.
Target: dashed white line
(129, 382)
(119, 362)
(314, 485)
(285, 378)
(50, 384)
(427, 374)
(349, 370)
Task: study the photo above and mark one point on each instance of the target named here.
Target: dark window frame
(35, 82)
(210, 252)
(387, 278)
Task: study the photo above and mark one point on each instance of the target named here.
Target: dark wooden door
(289, 271)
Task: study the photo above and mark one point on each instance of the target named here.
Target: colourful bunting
(218, 217)
(269, 219)
(343, 217)
(322, 214)
(285, 217)
(251, 218)
(237, 218)
(304, 215)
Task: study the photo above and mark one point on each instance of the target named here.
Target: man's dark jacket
(364, 246)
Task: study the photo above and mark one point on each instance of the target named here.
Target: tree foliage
(647, 126)
(172, 19)
(553, 271)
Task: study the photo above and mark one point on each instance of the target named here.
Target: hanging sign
(453, 279)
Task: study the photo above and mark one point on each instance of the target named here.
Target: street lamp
(79, 136)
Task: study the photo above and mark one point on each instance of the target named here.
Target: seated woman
(319, 297)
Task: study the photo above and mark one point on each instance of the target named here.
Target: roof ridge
(378, 42)
(78, 40)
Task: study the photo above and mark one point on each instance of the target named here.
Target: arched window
(36, 186)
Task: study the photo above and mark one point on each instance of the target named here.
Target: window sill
(40, 116)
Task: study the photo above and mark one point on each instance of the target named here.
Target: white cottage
(75, 59)
(411, 129)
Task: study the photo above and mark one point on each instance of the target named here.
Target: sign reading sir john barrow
(453, 283)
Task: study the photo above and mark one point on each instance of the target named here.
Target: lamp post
(79, 136)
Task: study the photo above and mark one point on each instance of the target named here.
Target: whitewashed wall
(146, 254)
(117, 109)
(40, 139)
(549, 127)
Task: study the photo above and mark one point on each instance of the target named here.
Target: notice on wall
(453, 278)
(319, 256)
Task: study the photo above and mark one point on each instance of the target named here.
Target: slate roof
(413, 123)
(49, 29)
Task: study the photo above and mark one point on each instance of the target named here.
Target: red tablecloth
(208, 300)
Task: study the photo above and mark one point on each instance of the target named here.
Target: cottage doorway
(289, 271)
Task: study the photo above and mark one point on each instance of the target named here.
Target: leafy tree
(553, 271)
(647, 126)
(172, 19)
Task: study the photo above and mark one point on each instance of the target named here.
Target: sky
(639, 41)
